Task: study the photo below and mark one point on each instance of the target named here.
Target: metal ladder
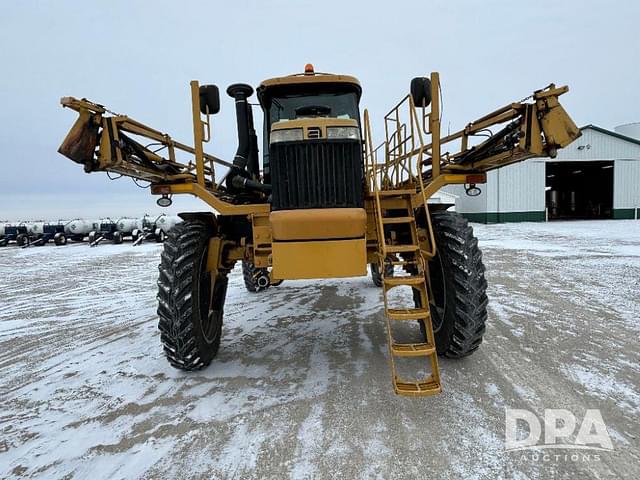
(395, 207)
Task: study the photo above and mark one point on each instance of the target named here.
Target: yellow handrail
(404, 152)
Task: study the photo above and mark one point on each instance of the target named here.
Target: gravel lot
(301, 387)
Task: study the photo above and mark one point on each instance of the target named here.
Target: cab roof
(299, 80)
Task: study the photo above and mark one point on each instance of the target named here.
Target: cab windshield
(282, 103)
(334, 105)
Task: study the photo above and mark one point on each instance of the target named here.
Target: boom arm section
(535, 129)
(103, 141)
(119, 153)
(526, 130)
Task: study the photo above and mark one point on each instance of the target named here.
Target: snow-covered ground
(301, 386)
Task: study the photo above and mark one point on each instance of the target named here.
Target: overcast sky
(138, 57)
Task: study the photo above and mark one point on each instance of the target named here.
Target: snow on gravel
(301, 387)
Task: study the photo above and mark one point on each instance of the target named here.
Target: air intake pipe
(245, 170)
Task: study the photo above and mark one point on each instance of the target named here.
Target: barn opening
(579, 190)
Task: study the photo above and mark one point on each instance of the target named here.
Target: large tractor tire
(255, 279)
(22, 240)
(376, 275)
(459, 304)
(190, 301)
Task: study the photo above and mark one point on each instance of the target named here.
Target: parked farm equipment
(79, 229)
(325, 203)
(95, 231)
(127, 227)
(107, 230)
(17, 234)
(154, 228)
(42, 233)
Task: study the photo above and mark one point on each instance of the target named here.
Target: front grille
(316, 174)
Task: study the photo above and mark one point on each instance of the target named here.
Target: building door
(579, 190)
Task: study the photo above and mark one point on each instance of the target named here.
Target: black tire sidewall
(460, 332)
(207, 348)
(376, 277)
(247, 277)
(446, 328)
(181, 319)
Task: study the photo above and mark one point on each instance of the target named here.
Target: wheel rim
(208, 316)
(438, 301)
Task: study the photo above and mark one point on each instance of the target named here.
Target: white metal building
(597, 176)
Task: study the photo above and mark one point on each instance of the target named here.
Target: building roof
(611, 132)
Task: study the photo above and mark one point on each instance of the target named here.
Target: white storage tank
(127, 225)
(629, 130)
(81, 227)
(35, 228)
(167, 222)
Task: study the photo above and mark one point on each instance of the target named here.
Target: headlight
(286, 135)
(347, 133)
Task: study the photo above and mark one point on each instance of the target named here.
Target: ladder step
(397, 281)
(402, 248)
(417, 389)
(412, 349)
(393, 260)
(396, 203)
(402, 262)
(396, 193)
(408, 313)
(397, 220)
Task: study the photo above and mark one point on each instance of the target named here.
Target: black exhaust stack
(246, 170)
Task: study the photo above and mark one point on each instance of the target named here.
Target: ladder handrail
(404, 156)
(371, 157)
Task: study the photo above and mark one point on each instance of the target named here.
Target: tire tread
(462, 259)
(175, 309)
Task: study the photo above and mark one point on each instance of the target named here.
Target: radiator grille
(316, 174)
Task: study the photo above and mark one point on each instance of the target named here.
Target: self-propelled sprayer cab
(312, 153)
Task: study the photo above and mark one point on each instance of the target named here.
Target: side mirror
(209, 99)
(421, 91)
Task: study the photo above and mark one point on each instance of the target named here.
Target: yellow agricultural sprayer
(324, 202)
